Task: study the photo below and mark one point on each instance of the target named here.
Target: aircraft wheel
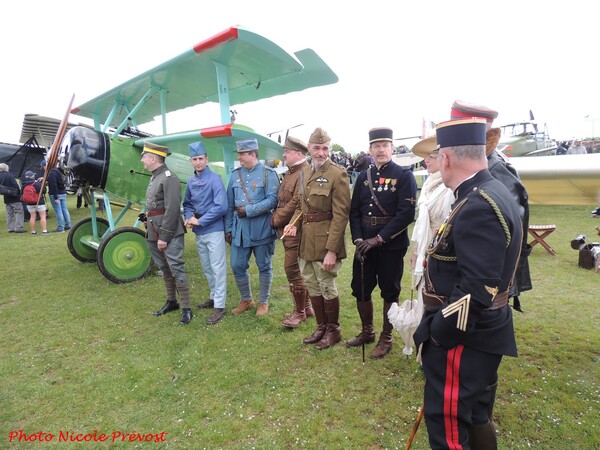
(123, 255)
(82, 228)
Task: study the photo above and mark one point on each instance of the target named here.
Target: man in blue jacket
(251, 198)
(204, 207)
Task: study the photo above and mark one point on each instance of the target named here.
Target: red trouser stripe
(451, 391)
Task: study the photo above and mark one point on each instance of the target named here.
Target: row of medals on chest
(384, 184)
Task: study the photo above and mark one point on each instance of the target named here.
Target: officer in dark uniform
(382, 208)
(166, 230)
(467, 326)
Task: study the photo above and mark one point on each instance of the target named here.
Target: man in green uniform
(165, 229)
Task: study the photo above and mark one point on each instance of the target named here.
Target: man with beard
(324, 202)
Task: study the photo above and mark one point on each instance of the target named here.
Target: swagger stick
(415, 428)
(291, 225)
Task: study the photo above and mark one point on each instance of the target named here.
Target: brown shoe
(244, 306)
(210, 303)
(216, 316)
(262, 310)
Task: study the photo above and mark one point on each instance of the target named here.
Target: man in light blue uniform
(204, 207)
(251, 198)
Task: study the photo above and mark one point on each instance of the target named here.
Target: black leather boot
(186, 316)
(169, 306)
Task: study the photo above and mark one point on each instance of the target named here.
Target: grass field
(79, 354)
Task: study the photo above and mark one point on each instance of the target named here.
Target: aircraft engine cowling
(87, 153)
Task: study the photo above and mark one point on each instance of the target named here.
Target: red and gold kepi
(454, 133)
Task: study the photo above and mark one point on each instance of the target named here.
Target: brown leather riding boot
(483, 437)
(333, 334)
(308, 309)
(298, 316)
(367, 335)
(385, 338)
(319, 307)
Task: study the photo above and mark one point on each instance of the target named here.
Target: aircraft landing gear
(84, 228)
(123, 255)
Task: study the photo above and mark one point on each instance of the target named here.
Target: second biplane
(233, 67)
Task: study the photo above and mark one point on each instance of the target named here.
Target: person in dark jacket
(12, 200)
(382, 208)
(41, 205)
(467, 325)
(58, 198)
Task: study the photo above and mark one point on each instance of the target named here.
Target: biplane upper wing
(246, 65)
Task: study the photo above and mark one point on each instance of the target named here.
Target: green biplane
(233, 67)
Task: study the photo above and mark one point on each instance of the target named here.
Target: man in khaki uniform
(324, 202)
(294, 155)
(165, 229)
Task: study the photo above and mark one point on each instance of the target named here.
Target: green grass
(79, 353)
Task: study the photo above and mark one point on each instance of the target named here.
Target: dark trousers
(383, 267)
(456, 392)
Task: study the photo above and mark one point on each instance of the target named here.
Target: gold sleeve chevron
(460, 307)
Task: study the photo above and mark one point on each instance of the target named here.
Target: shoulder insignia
(167, 173)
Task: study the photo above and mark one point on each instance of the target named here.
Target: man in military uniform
(166, 230)
(502, 170)
(204, 207)
(324, 204)
(467, 326)
(294, 155)
(251, 198)
(382, 208)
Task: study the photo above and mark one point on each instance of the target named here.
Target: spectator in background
(12, 200)
(561, 148)
(58, 197)
(577, 148)
(40, 207)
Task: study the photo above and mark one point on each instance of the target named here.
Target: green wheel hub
(123, 256)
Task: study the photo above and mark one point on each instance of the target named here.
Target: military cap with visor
(380, 134)
(156, 149)
(296, 144)
(462, 110)
(454, 133)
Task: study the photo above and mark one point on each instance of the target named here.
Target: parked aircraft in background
(526, 139)
(233, 67)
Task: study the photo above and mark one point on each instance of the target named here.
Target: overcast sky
(397, 61)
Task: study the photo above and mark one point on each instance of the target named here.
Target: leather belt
(317, 217)
(432, 300)
(373, 220)
(155, 212)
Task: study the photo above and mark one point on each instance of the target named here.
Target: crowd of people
(469, 250)
(52, 183)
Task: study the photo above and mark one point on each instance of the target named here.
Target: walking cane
(415, 428)
(362, 293)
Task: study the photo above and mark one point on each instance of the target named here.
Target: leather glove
(228, 238)
(364, 246)
(357, 254)
(144, 219)
(241, 211)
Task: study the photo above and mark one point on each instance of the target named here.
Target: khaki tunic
(287, 198)
(325, 190)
